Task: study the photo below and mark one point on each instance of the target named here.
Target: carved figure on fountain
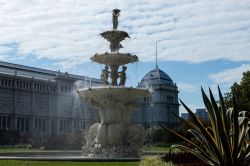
(123, 76)
(105, 75)
(114, 74)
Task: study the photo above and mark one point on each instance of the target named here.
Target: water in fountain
(114, 136)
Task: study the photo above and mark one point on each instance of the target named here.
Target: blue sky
(200, 43)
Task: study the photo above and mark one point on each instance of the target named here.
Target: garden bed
(182, 159)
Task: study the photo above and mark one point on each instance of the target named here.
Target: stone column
(57, 119)
(32, 127)
(48, 127)
(14, 117)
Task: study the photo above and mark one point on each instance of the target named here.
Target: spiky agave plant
(226, 142)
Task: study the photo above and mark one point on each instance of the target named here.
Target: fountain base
(118, 140)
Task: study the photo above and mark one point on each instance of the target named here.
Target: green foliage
(156, 134)
(162, 144)
(154, 161)
(13, 149)
(241, 92)
(23, 146)
(225, 143)
(29, 146)
(64, 141)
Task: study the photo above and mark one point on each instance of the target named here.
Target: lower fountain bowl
(114, 137)
(119, 93)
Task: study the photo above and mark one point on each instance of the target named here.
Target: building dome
(156, 77)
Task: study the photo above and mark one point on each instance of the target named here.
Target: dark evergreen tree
(241, 92)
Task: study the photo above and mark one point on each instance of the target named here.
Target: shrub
(42, 148)
(65, 141)
(179, 158)
(226, 141)
(28, 146)
(162, 144)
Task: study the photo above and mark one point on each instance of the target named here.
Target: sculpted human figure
(123, 76)
(114, 76)
(115, 15)
(105, 75)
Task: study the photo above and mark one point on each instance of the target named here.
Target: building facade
(160, 107)
(40, 101)
(185, 116)
(44, 102)
(200, 113)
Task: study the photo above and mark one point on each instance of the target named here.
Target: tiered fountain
(115, 136)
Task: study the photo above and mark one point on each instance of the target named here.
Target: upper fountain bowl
(114, 58)
(115, 36)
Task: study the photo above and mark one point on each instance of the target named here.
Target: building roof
(37, 73)
(156, 76)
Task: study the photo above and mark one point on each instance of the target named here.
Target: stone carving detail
(114, 75)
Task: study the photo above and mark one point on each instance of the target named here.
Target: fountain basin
(114, 103)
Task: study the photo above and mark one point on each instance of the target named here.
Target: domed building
(160, 107)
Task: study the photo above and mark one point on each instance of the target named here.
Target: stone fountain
(114, 136)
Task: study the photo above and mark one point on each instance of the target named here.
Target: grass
(52, 163)
(155, 148)
(10, 149)
(2, 150)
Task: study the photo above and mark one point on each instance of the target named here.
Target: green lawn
(51, 163)
(2, 150)
(152, 148)
(157, 149)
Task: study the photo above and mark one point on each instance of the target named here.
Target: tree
(241, 92)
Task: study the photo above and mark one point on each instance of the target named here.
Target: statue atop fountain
(116, 13)
(114, 136)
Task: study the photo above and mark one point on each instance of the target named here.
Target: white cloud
(68, 31)
(229, 76)
(186, 87)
